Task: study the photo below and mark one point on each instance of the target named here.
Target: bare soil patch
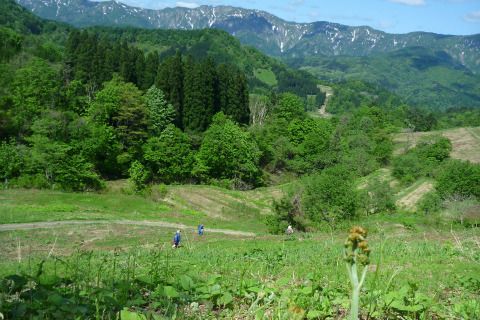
(409, 201)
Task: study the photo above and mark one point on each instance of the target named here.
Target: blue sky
(394, 16)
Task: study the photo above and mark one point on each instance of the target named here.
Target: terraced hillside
(465, 142)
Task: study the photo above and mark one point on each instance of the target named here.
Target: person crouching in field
(200, 229)
(176, 239)
(289, 230)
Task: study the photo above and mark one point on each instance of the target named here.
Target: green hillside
(422, 77)
(47, 39)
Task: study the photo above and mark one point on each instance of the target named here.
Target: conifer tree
(151, 69)
(161, 112)
(170, 80)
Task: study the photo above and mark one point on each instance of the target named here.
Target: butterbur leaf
(225, 299)
(259, 315)
(313, 314)
(215, 289)
(253, 289)
(283, 281)
(186, 282)
(130, 315)
(170, 292)
(306, 290)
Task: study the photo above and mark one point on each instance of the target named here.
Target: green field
(421, 267)
(266, 76)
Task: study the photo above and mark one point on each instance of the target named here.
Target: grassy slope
(402, 252)
(465, 146)
(190, 205)
(465, 142)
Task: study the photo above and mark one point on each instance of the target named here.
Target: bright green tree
(228, 152)
(161, 112)
(34, 89)
(138, 176)
(330, 196)
(169, 156)
(120, 105)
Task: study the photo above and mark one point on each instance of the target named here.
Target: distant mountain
(260, 29)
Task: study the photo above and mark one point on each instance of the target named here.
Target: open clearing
(215, 207)
(465, 142)
(79, 248)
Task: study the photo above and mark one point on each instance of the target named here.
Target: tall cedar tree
(170, 79)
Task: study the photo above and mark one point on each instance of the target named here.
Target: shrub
(287, 211)
(138, 176)
(330, 196)
(422, 160)
(430, 203)
(460, 179)
(228, 152)
(378, 197)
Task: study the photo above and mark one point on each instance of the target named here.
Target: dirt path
(323, 108)
(410, 200)
(53, 224)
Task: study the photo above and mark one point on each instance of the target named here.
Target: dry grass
(220, 203)
(465, 142)
(410, 200)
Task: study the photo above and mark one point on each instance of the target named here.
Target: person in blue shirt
(176, 239)
(200, 229)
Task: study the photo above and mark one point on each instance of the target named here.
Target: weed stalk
(356, 254)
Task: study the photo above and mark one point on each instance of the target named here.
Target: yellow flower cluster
(356, 247)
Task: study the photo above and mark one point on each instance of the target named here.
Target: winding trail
(53, 224)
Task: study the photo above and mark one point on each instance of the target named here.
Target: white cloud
(190, 5)
(473, 16)
(410, 2)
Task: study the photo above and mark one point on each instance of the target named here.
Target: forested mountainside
(265, 31)
(421, 76)
(431, 71)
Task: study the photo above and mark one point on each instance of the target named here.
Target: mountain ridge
(270, 34)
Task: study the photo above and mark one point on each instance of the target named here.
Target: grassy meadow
(421, 267)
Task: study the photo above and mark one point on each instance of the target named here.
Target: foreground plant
(356, 254)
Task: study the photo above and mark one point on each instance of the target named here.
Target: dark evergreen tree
(151, 70)
(170, 80)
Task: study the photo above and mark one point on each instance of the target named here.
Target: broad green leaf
(225, 299)
(170, 292)
(130, 315)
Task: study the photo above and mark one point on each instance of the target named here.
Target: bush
(378, 197)
(330, 196)
(459, 179)
(169, 156)
(287, 211)
(422, 160)
(37, 181)
(430, 203)
(228, 152)
(138, 176)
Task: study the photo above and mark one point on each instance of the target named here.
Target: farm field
(465, 142)
(421, 267)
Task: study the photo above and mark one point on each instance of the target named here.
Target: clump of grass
(356, 255)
